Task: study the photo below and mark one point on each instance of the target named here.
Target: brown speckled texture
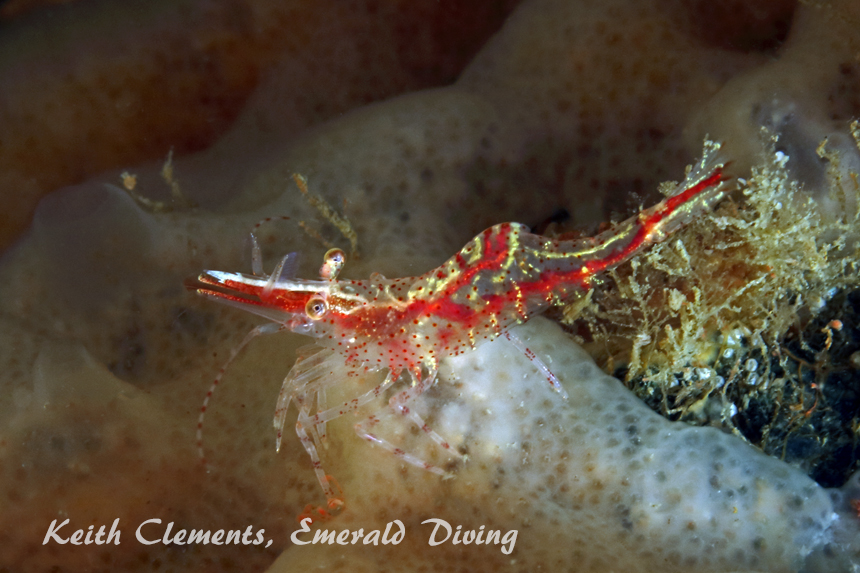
(101, 84)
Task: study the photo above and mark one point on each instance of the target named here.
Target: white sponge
(611, 473)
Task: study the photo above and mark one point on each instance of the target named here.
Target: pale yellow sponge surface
(595, 483)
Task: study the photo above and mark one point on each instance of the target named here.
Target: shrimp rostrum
(407, 326)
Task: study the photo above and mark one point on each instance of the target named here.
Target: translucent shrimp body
(502, 277)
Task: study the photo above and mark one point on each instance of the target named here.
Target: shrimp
(406, 327)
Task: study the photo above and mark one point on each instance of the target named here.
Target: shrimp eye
(315, 308)
(335, 256)
(333, 261)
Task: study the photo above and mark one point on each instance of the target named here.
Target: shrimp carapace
(407, 326)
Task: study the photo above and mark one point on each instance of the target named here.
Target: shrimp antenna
(256, 256)
(284, 271)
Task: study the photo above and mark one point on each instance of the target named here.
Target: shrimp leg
(362, 429)
(518, 343)
(399, 402)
